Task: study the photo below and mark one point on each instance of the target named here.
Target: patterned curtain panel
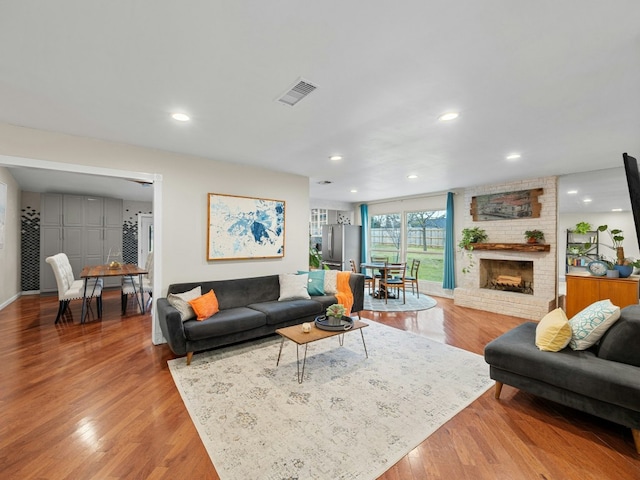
(449, 281)
(364, 216)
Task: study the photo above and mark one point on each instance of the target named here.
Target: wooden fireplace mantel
(518, 247)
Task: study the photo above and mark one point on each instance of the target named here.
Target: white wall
(186, 181)
(10, 254)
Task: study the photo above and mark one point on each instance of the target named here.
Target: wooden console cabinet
(583, 290)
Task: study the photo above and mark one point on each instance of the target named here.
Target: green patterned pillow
(589, 325)
(316, 282)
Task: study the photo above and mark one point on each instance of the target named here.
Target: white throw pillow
(293, 286)
(330, 282)
(589, 325)
(180, 302)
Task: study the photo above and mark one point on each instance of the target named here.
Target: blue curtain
(364, 217)
(449, 281)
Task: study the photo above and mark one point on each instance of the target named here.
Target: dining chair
(71, 289)
(412, 278)
(131, 285)
(368, 279)
(394, 280)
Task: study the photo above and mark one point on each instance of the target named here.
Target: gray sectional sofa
(603, 381)
(249, 308)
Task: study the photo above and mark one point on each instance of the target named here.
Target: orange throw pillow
(205, 306)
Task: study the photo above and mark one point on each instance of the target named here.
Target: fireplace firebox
(507, 275)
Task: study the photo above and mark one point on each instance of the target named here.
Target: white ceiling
(557, 82)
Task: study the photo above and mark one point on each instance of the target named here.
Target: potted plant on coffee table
(335, 313)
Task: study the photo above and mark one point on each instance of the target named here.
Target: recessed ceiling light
(587, 200)
(181, 117)
(616, 209)
(335, 157)
(412, 176)
(513, 156)
(447, 117)
(353, 190)
(572, 192)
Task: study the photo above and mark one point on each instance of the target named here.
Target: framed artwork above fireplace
(506, 205)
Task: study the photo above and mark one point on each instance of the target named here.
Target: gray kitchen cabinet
(85, 228)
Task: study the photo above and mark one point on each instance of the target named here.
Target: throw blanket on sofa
(344, 295)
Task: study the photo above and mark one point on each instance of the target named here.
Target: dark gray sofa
(603, 381)
(249, 308)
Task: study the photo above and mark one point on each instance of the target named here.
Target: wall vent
(299, 90)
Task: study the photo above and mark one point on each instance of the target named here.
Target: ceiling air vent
(300, 89)
(324, 182)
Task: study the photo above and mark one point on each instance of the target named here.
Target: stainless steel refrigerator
(339, 244)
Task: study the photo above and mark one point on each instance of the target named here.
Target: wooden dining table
(382, 268)
(122, 270)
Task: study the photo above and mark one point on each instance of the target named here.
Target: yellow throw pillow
(205, 306)
(553, 333)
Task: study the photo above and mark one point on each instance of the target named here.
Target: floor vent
(300, 89)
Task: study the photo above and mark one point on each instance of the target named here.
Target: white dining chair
(71, 289)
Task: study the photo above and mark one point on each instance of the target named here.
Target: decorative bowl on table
(334, 324)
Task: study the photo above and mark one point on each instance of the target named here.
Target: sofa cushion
(330, 282)
(589, 325)
(237, 292)
(293, 286)
(180, 301)
(553, 333)
(205, 306)
(620, 342)
(278, 312)
(223, 323)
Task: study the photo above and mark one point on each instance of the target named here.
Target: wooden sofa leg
(636, 438)
(189, 357)
(498, 389)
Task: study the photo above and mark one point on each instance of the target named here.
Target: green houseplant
(615, 234)
(582, 228)
(470, 236)
(533, 236)
(315, 261)
(336, 310)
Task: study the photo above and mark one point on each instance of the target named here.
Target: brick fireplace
(529, 287)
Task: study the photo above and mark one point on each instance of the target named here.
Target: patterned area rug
(413, 303)
(352, 417)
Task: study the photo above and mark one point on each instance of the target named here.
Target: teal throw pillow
(316, 282)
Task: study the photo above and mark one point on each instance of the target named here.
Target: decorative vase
(624, 270)
(613, 273)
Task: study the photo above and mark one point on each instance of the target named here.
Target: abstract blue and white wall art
(245, 227)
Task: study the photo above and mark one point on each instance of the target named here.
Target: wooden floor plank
(98, 401)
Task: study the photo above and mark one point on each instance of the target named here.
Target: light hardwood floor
(97, 401)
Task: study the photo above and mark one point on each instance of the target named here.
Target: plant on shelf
(470, 236)
(533, 236)
(336, 310)
(582, 228)
(615, 234)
